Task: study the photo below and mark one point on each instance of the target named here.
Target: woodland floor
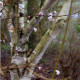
(48, 62)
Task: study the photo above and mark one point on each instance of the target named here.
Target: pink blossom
(51, 18)
(1, 6)
(27, 21)
(34, 52)
(0, 14)
(41, 15)
(57, 72)
(11, 44)
(28, 16)
(35, 29)
(1, 3)
(50, 14)
(54, 12)
(24, 58)
(40, 67)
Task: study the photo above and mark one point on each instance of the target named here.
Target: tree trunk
(32, 10)
(33, 23)
(42, 2)
(43, 44)
(47, 35)
(24, 73)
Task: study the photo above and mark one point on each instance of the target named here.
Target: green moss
(31, 8)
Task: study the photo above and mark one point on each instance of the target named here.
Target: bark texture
(47, 35)
(43, 44)
(32, 10)
(33, 23)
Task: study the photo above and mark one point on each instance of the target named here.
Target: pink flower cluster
(41, 15)
(52, 15)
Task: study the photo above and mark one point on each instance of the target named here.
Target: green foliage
(77, 26)
(77, 29)
(5, 47)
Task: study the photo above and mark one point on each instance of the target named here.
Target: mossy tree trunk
(32, 10)
(19, 58)
(24, 73)
(35, 37)
(34, 22)
(43, 44)
(32, 7)
(42, 2)
(53, 30)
